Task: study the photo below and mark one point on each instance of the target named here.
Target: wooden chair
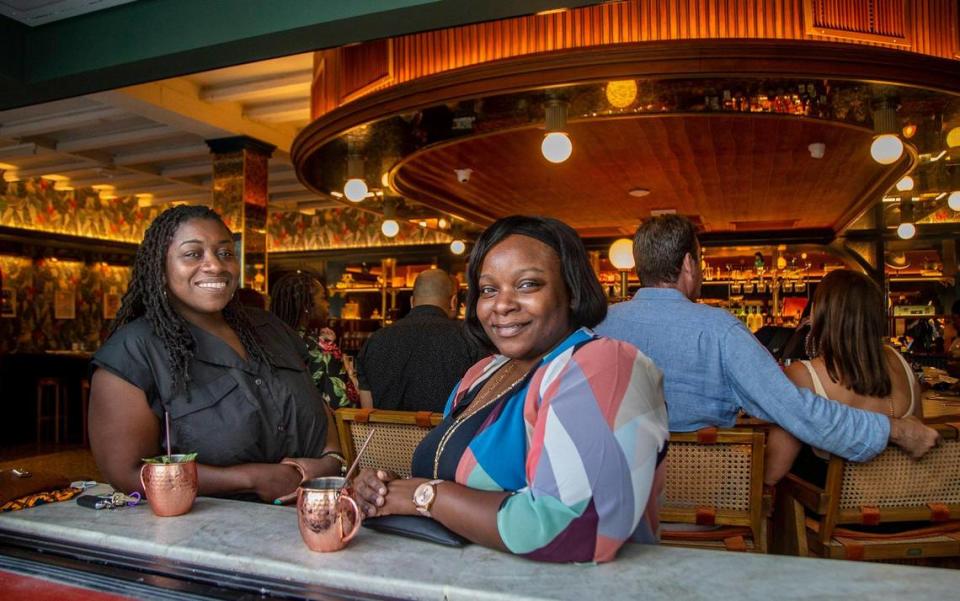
(922, 496)
(391, 448)
(715, 478)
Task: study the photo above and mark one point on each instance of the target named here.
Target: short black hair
(659, 247)
(588, 305)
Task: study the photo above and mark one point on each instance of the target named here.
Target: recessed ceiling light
(638, 192)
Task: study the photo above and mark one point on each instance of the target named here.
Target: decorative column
(240, 168)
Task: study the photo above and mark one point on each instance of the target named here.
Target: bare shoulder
(799, 375)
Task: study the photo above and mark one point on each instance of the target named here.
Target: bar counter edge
(262, 542)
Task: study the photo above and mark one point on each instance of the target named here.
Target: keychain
(114, 500)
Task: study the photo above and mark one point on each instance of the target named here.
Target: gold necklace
(470, 412)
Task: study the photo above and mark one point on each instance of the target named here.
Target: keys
(114, 500)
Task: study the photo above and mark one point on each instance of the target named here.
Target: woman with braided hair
(233, 379)
(300, 300)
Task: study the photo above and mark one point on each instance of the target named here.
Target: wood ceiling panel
(735, 172)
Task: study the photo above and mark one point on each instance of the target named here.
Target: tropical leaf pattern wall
(340, 228)
(31, 324)
(33, 204)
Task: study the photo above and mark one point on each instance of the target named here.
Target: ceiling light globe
(906, 231)
(355, 189)
(953, 137)
(458, 247)
(621, 94)
(886, 149)
(953, 201)
(905, 183)
(390, 228)
(621, 254)
(556, 147)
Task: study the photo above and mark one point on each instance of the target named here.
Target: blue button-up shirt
(713, 366)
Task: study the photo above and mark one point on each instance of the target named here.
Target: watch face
(423, 495)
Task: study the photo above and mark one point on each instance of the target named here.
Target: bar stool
(45, 388)
(84, 407)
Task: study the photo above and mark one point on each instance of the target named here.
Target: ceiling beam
(158, 189)
(295, 186)
(18, 150)
(176, 102)
(161, 154)
(110, 179)
(281, 84)
(204, 168)
(56, 169)
(56, 122)
(287, 175)
(155, 201)
(297, 196)
(134, 136)
(278, 112)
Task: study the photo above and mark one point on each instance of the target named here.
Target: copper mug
(170, 487)
(328, 516)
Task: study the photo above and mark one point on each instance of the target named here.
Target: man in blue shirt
(713, 366)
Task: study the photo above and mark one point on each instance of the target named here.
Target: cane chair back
(892, 488)
(391, 448)
(715, 479)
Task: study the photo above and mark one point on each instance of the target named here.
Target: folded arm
(123, 430)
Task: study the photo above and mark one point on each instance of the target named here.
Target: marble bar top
(263, 541)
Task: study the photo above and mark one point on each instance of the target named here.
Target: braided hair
(292, 297)
(146, 297)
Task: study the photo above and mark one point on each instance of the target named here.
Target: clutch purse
(415, 526)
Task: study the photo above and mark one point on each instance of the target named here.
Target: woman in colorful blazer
(553, 448)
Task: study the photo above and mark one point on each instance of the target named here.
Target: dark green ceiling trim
(156, 39)
(11, 50)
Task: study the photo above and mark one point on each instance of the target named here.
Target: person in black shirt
(414, 364)
(232, 379)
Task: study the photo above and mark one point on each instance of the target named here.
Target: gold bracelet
(336, 455)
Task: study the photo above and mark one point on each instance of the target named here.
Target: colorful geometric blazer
(581, 443)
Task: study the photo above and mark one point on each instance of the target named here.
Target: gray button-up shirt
(237, 411)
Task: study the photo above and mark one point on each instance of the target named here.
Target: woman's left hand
(370, 489)
(399, 498)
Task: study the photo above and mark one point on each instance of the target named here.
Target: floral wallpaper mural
(340, 228)
(33, 204)
(56, 305)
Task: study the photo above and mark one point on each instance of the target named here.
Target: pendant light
(887, 147)
(556, 146)
(457, 245)
(906, 230)
(390, 227)
(355, 188)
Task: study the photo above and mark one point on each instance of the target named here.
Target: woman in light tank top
(849, 361)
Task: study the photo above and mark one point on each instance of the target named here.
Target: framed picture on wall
(65, 304)
(111, 303)
(8, 302)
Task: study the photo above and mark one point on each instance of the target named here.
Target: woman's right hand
(370, 489)
(273, 480)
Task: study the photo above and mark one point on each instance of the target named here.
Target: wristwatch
(424, 496)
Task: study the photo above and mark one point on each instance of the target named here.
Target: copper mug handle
(356, 522)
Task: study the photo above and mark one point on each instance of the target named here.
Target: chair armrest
(806, 493)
